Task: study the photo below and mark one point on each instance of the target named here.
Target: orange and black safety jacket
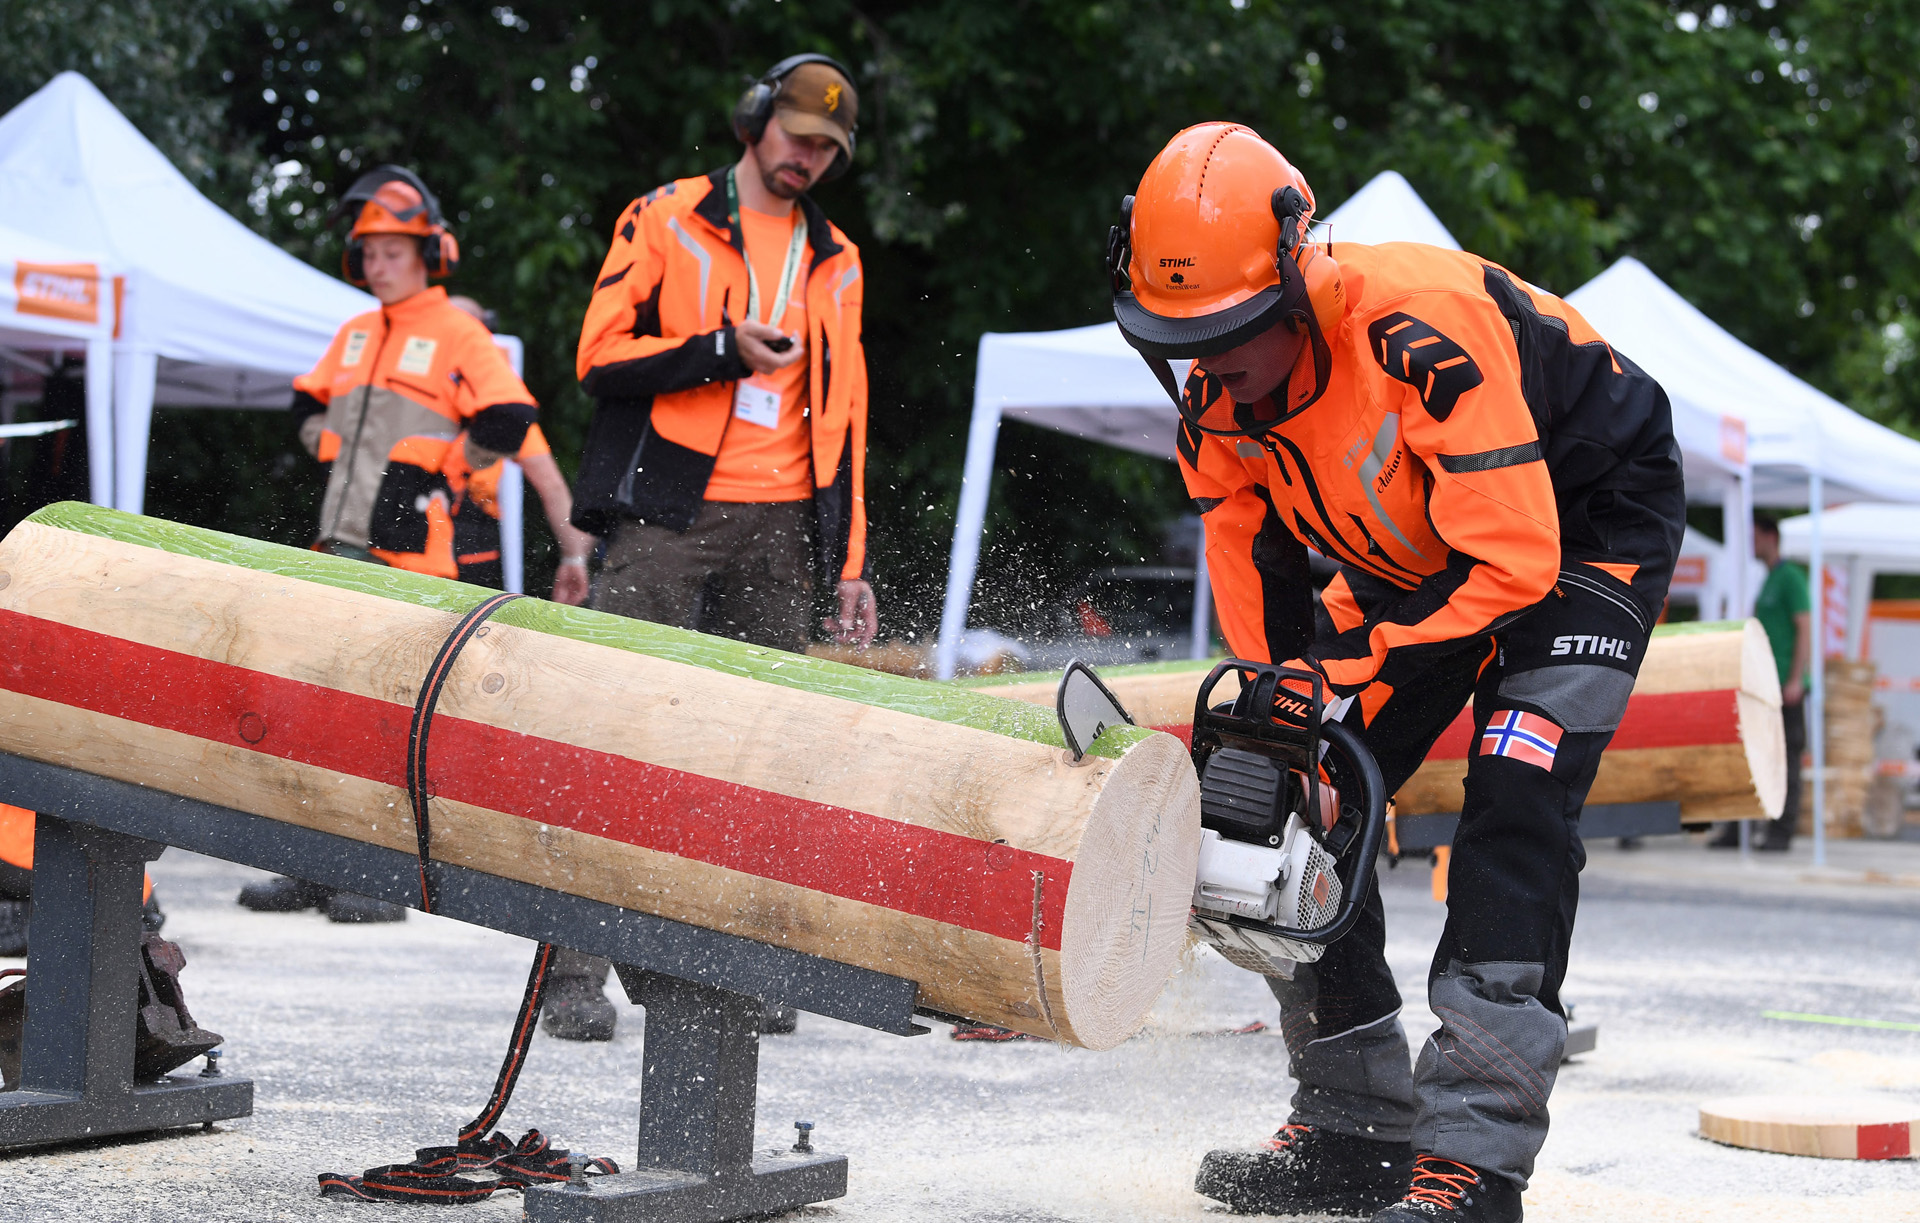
(657, 353)
(398, 389)
(1476, 437)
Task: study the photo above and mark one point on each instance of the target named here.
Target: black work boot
(284, 895)
(1303, 1169)
(778, 1019)
(349, 908)
(576, 1008)
(13, 926)
(1454, 1193)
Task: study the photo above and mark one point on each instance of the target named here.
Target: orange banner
(58, 290)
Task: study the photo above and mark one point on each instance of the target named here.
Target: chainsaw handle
(1345, 742)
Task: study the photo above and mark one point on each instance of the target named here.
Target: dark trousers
(1794, 719)
(741, 571)
(1479, 1091)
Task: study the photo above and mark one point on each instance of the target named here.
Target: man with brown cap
(725, 465)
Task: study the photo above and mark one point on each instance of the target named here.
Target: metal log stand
(703, 991)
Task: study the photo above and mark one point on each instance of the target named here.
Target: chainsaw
(1292, 811)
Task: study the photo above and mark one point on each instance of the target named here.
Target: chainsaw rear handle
(1248, 724)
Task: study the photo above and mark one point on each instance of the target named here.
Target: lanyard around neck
(789, 272)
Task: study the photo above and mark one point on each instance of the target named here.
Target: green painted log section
(921, 698)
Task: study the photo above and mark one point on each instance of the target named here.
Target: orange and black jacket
(397, 390)
(657, 353)
(1476, 438)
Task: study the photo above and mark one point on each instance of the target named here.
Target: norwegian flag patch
(1527, 737)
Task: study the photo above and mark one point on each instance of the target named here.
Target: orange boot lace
(1284, 1136)
(1440, 1182)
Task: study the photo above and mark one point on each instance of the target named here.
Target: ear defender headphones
(754, 110)
(405, 206)
(1314, 264)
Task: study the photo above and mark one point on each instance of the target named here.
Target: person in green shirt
(1785, 610)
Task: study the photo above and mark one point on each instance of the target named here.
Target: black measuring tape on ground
(477, 1166)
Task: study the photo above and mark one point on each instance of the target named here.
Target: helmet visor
(1158, 335)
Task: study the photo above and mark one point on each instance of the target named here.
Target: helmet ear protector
(754, 110)
(438, 248)
(1310, 295)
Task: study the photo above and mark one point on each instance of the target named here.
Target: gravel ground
(366, 1041)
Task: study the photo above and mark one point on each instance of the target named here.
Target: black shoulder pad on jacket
(1417, 354)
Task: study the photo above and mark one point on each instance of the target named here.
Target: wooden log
(1867, 1128)
(908, 827)
(1702, 727)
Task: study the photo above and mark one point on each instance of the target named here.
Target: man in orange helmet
(404, 395)
(1502, 492)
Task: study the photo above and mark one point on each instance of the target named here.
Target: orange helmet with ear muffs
(393, 200)
(1212, 251)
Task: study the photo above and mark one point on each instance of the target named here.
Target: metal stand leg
(696, 1161)
(76, 1072)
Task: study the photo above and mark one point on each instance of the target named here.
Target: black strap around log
(446, 1175)
(430, 688)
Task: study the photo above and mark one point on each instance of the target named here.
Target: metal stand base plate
(40, 1118)
(780, 1182)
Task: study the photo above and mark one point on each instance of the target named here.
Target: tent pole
(100, 422)
(968, 524)
(134, 375)
(1859, 600)
(1817, 699)
(511, 501)
(1202, 599)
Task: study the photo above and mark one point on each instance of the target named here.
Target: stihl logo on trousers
(1581, 643)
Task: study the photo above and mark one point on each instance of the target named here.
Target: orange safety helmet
(1211, 251)
(394, 201)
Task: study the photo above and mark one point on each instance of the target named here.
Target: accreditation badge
(757, 403)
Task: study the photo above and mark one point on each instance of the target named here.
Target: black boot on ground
(13, 926)
(1306, 1170)
(778, 1019)
(1454, 1193)
(151, 918)
(348, 908)
(284, 895)
(576, 1008)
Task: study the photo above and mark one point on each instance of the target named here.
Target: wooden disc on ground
(1863, 1128)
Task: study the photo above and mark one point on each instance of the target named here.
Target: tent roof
(1387, 209)
(56, 317)
(202, 288)
(1789, 424)
(1886, 536)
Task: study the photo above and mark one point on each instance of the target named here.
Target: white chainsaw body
(1292, 884)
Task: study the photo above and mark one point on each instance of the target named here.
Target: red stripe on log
(1893, 1140)
(1664, 719)
(925, 872)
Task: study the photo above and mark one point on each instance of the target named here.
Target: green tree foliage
(1760, 156)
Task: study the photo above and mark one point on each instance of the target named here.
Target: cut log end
(1126, 914)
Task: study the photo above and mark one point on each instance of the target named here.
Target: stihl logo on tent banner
(58, 290)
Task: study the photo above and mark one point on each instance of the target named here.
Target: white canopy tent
(56, 299)
(212, 315)
(1088, 382)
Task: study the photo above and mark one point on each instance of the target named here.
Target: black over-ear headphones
(438, 249)
(755, 108)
